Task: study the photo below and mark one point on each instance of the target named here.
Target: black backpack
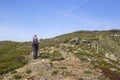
(35, 41)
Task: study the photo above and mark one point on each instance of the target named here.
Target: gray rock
(75, 40)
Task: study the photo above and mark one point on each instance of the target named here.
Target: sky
(20, 20)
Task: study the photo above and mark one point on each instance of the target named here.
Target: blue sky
(21, 19)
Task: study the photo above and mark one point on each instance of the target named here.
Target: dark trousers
(35, 52)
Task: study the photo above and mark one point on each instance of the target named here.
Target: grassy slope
(82, 35)
(12, 55)
(108, 43)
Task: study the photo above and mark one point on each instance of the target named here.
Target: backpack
(35, 41)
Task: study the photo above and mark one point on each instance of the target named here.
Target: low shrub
(45, 55)
(56, 56)
(87, 71)
(17, 76)
(28, 71)
(54, 73)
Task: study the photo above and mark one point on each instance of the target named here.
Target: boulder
(75, 40)
(111, 56)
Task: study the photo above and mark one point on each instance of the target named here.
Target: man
(35, 46)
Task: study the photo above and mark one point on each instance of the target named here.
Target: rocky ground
(81, 55)
(68, 68)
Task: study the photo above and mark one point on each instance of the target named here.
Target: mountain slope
(81, 55)
(55, 63)
(12, 55)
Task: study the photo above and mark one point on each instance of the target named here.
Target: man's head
(35, 35)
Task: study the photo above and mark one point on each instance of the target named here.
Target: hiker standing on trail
(35, 46)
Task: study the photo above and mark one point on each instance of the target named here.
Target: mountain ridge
(59, 55)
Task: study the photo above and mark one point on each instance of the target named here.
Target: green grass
(56, 56)
(13, 72)
(17, 76)
(28, 71)
(87, 72)
(82, 55)
(52, 56)
(54, 73)
(12, 55)
(44, 55)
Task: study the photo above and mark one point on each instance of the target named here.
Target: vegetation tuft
(56, 56)
(17, 76)
(28, 71)
(54, 73)
(44, 55)
(87, 72)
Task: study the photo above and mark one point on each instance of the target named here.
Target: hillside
(81, 55)
(12, 55)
